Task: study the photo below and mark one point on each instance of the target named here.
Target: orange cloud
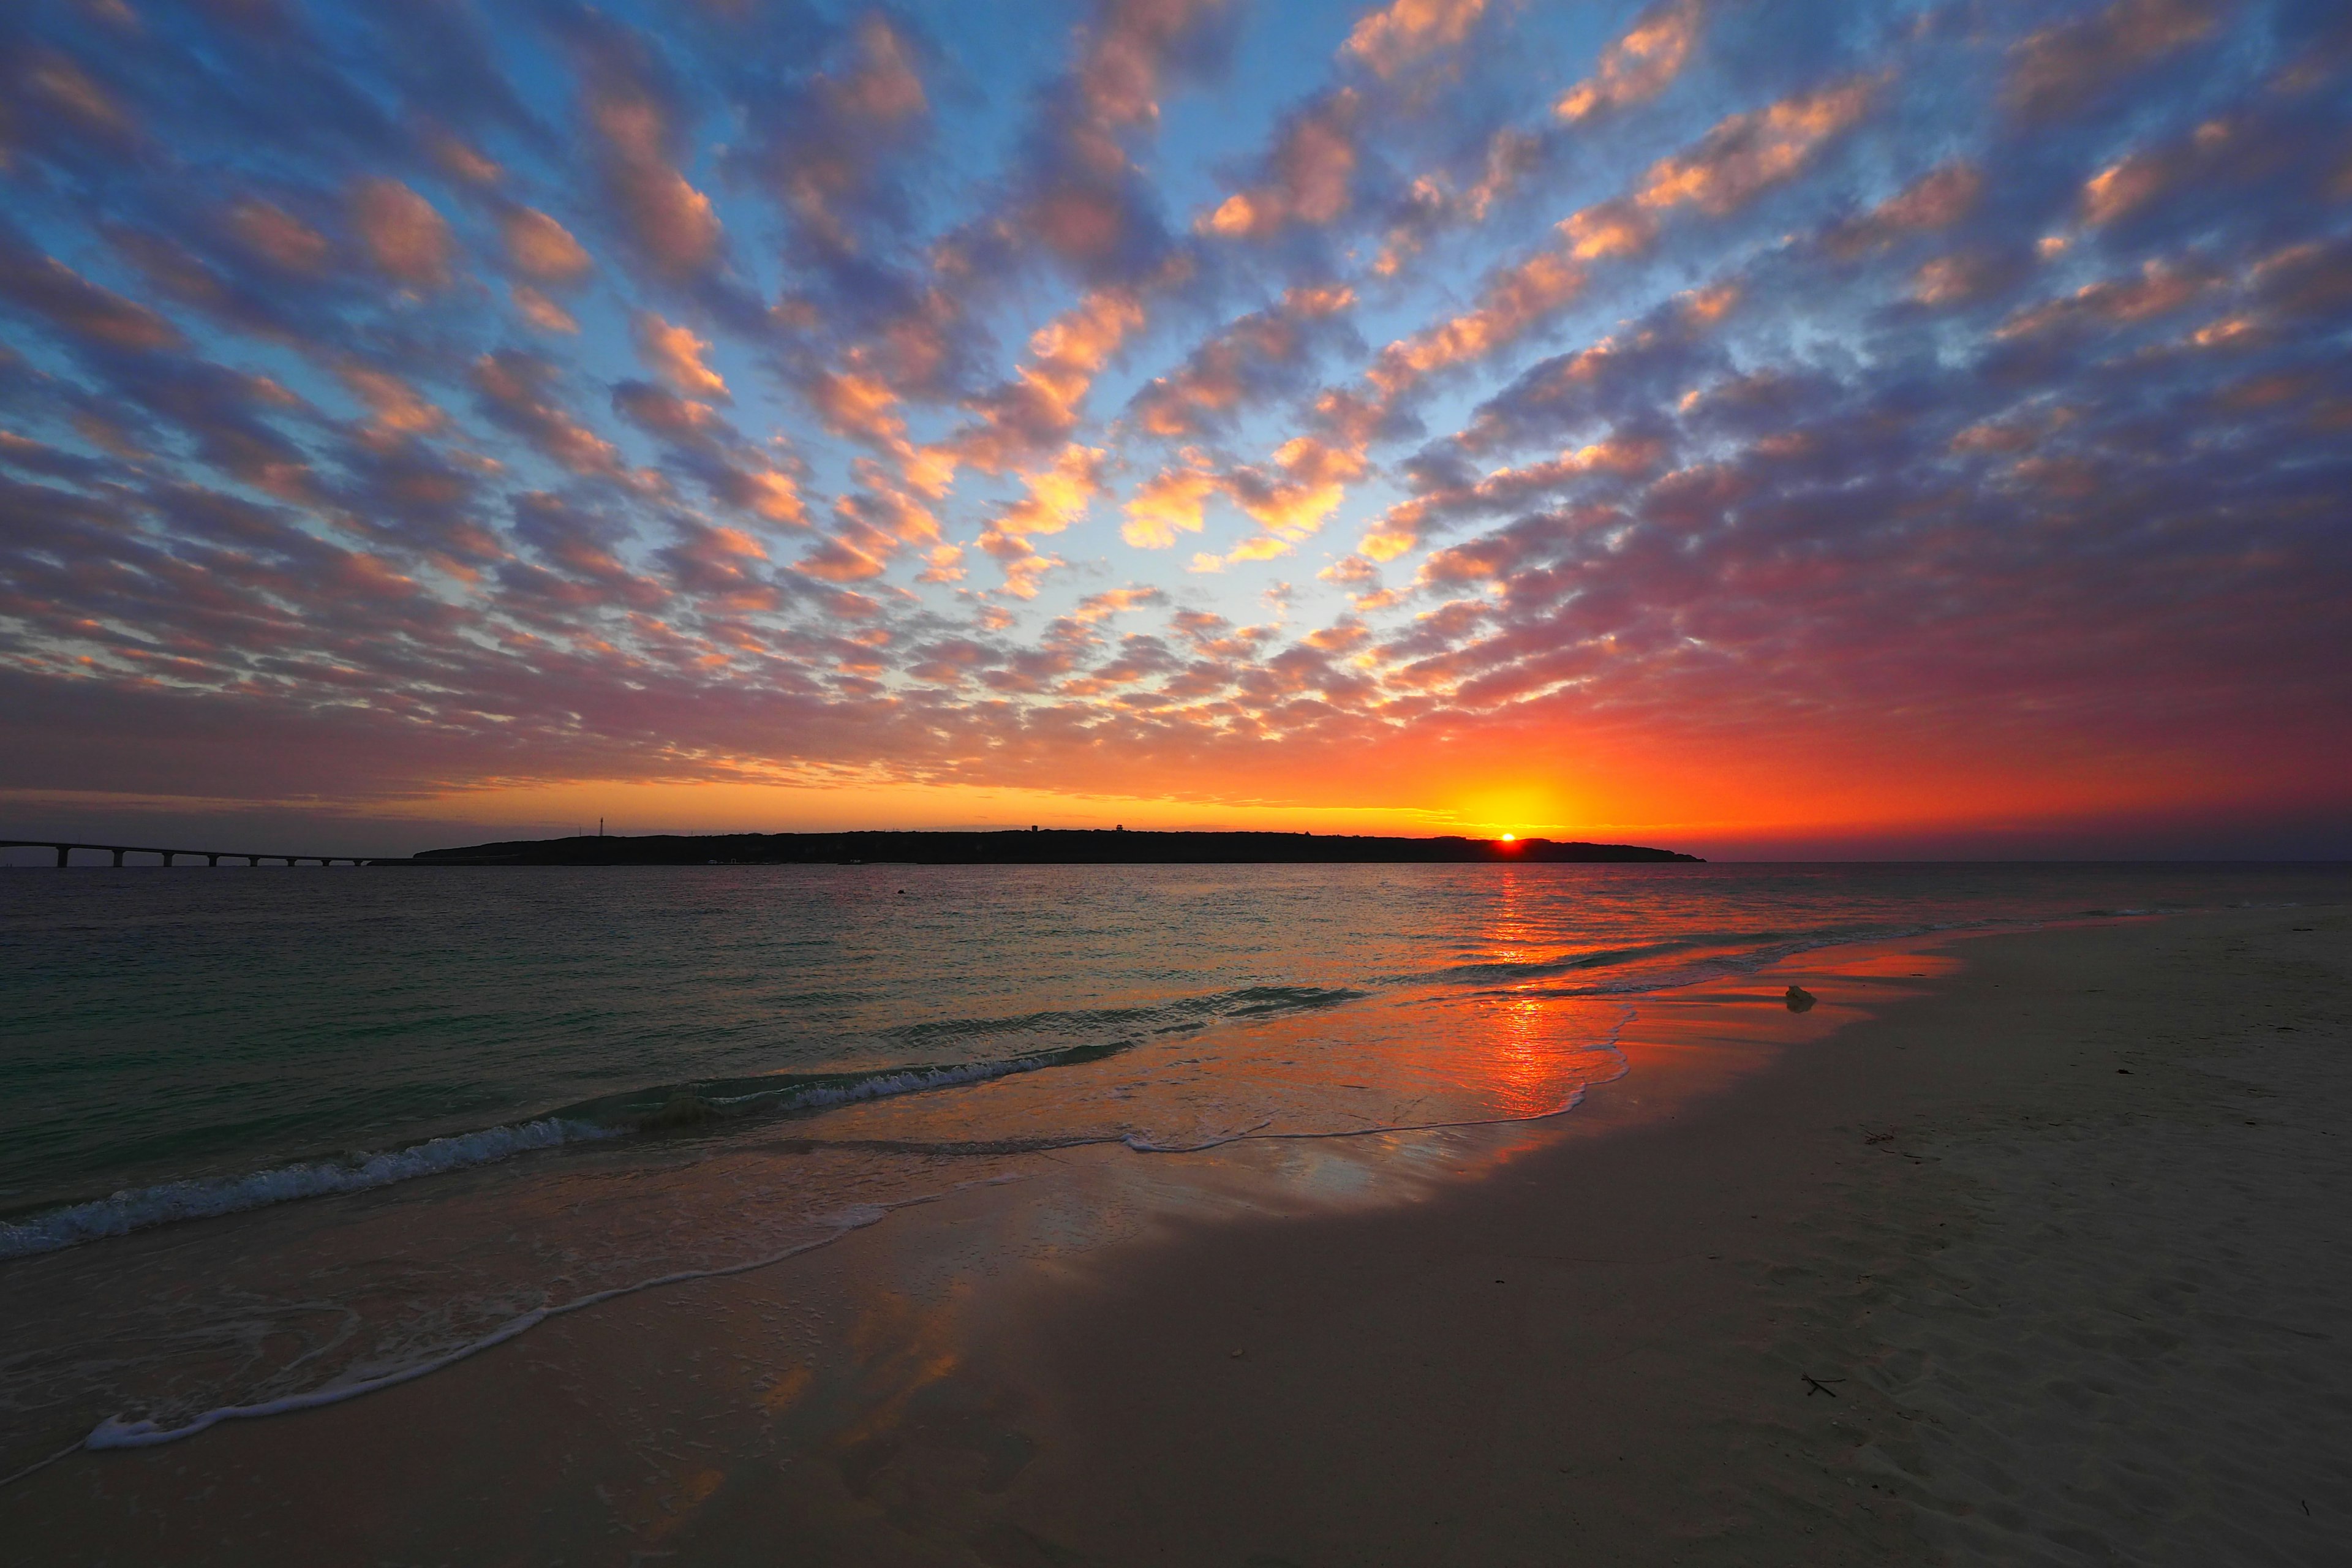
(514, 386)
(672, 223)
(1314, 475)
(1224, 372)
(1748, 154)
(400, 410)
(1042, 402)
(1169, 502)
(675, 354)
(1639, 66)
(541, 248)
(1312, 166)
(1937, 200)
(1056, 496)
(1406, 32)
(1614, 228)
(1514, 301)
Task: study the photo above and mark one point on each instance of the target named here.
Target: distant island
(1032, 846)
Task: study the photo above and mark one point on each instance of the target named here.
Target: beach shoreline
(1604, 1338)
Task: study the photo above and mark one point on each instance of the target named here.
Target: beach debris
(1799, 999)
(1821, 1385)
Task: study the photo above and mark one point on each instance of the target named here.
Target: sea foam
(119, 1432)
(138, 1208)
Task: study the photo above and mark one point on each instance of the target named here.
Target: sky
(1757, 428)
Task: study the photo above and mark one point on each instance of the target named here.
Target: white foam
(114, 1432)
(138, 1208)
(913, 1081)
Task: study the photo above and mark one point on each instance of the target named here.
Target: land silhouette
(1031, 846)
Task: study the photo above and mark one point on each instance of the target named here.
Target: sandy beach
(2029, 1248)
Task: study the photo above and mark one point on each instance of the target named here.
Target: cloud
(1309, 178)
(44, 287)
(1131, 46)
(60, 105)
(1513, 300)
(1933, 202)
(281, 240)
(1116, 601)
(516, 393)
(1056, 497)
(1746, 155)
(400, 410)
(1403, 33)
(1032, 414)
(1171, 501)
(542, 311)
(1253, 358)
(1866, 442)
(543, 250)
(2061, 68)
(1610, 230)
(1640, 65)
(825, 151)
(2158, 290)
(675, 354)
(1619, 457)
(406, 239)
(636, 119)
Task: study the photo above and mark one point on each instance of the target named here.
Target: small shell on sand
(1799, 999)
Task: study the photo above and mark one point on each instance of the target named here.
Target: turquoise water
(201, 1025)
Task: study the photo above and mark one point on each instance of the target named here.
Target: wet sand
(2051, 1310)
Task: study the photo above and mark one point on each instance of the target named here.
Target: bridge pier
(63, 850)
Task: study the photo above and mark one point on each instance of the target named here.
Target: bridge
(64, 849)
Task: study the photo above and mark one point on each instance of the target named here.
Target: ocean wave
(1242, 1002)
(613, 1116)
(141, 1208)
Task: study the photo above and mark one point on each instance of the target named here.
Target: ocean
(278, 1134)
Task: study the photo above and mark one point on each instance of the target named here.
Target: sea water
(277, 1133)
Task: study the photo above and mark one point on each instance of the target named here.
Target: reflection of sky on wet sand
(913, 1408)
